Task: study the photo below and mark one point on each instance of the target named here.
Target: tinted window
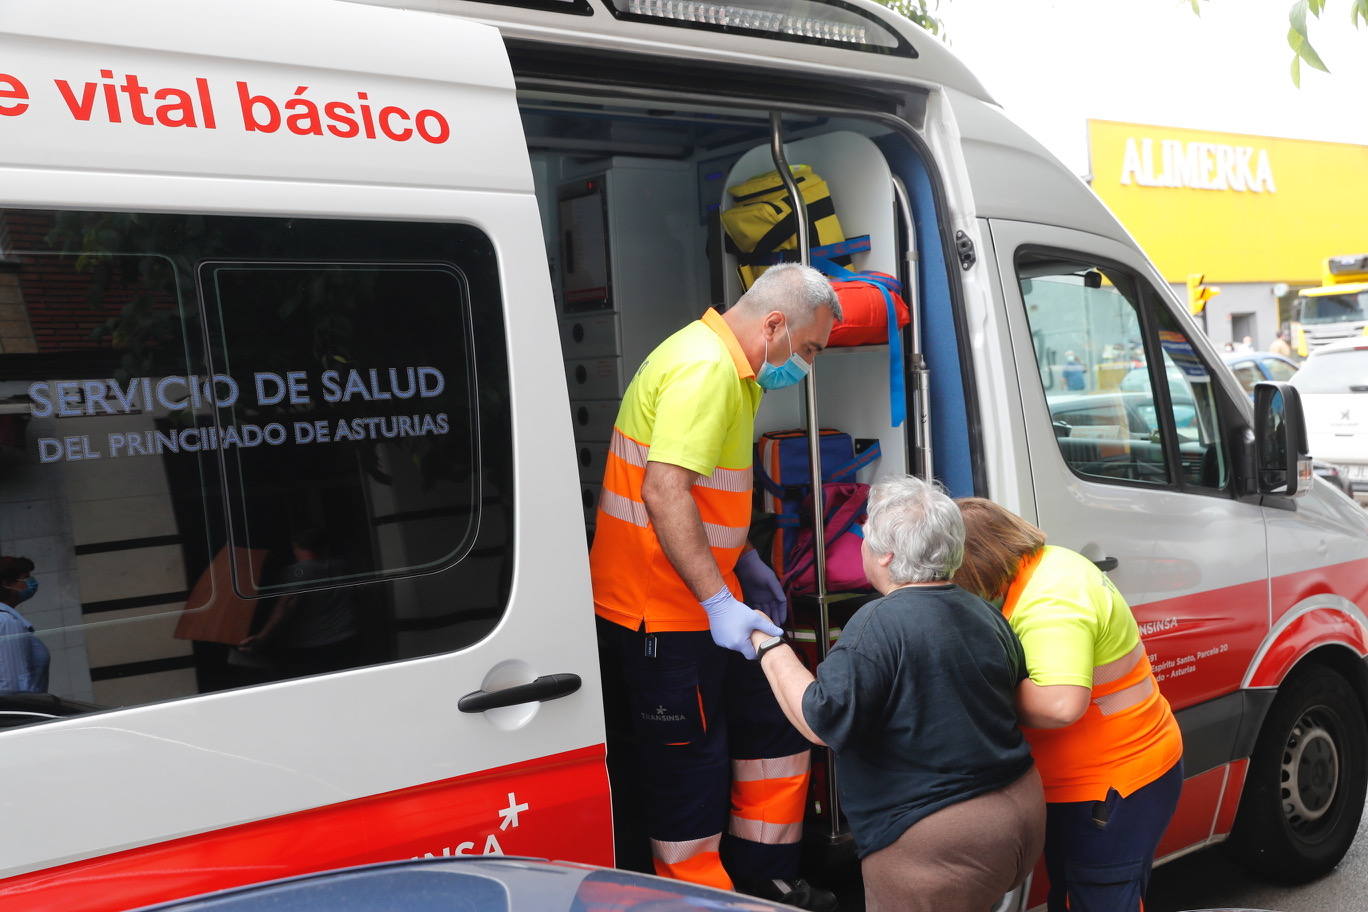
(1088, 339)
(1247, 374)
(1192, 403)
(1279, 369)
(217, 431)
(1334, 372)
(1334, 308)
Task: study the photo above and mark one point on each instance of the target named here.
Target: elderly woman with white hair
(917, 701)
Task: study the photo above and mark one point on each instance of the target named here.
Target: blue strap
(844, 472)
(897, 381)
(771, 486)
(847, 471)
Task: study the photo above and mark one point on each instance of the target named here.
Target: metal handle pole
(916, 361)
(800, 216)
(814, 433)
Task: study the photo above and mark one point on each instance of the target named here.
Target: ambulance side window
(1193, 397)
(1088, 337)
(243, 449)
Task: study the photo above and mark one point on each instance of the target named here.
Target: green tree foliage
(1298, 36)
(1300, 41)
(922, 12)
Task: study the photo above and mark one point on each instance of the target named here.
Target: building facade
(1256, 216)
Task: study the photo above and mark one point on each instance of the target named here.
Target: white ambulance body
(313, 319)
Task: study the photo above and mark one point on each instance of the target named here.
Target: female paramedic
(916, 699)
(1104, 737)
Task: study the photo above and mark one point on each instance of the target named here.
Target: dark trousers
(1099, 854)
(723, 774)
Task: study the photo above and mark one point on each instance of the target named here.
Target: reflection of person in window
(310, 632)
(1074, 371)
(23, 657)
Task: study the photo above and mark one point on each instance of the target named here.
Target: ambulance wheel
(1304, 793)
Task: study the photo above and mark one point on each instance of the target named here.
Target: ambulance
(313, 321)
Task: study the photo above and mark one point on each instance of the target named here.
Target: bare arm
(1051, 706)
(789, 680)
(667, 492)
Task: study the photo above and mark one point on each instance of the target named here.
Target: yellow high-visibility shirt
(692, 404)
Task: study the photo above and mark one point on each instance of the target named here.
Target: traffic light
(1199, 294)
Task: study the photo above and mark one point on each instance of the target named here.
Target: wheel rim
(1310, 769)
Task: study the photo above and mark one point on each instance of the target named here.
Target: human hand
(761, 587)
(731, 623)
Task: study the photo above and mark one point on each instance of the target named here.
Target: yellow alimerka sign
(1236, 208)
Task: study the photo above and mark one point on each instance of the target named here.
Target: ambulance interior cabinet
(629, 254)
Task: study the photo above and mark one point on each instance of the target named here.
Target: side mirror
(1282, 463)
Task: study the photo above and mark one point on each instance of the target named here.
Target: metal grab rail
(814, 434)
(919, 416)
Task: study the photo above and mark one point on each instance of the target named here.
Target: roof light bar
(752, 19)
(835, 23)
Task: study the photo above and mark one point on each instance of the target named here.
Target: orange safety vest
(634, 582)
(1127, 738)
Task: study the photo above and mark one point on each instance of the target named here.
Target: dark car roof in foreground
(470, 884)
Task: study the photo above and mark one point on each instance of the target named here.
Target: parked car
(1333, 382)
(471, 884)
(1251, 367)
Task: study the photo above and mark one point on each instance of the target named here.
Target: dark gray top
(917, 700)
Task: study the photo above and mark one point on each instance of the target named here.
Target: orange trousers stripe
(705, 868)
(779, 800)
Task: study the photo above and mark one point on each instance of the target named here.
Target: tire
(1304, 792)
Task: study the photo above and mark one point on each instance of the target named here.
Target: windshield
(1334, 308)
(1334, 372)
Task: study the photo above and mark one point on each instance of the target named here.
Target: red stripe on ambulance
(551, 807)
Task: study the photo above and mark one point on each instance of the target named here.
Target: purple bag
(844, 505)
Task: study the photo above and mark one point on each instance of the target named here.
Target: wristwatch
(767, 645)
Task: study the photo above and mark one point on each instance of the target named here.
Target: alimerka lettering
(129, 99)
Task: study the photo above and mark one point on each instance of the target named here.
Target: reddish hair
(995, 542)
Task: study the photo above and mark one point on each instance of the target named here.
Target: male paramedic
(678, 590)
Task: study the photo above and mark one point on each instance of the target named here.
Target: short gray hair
(919, 525)
(795, 290)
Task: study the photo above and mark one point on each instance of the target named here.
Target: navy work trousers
(724, 775)
(1099, 854)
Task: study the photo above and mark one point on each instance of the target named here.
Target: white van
(313, 318)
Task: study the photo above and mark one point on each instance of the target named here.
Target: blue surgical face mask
(790, 372)
(23, 595)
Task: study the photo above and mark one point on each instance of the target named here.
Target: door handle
(547, 687)
(1107, 563)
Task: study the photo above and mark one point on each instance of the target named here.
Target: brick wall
(16, 336)
(62, 312)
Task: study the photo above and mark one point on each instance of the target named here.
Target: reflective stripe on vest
(1123, 683)
(642, 585)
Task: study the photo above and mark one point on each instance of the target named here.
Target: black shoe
(798, 893)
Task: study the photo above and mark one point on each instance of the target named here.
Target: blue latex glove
(761, 587)
(731, 623)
